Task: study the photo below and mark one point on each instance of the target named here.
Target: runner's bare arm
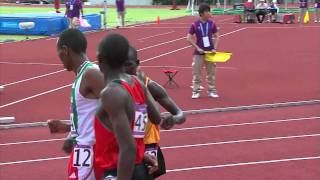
(114, 101)
(161, 96)
(153, 111)
(92, 83)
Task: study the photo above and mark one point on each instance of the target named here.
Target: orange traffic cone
(158, 20)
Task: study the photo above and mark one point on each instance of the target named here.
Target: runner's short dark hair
(74, 39)
(113, 50)
(133, 55)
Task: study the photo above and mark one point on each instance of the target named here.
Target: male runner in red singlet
(152, 132)
(125, 106)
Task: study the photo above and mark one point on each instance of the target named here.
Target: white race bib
(71, 7)
(152, 151)
(83, 157)
(206, 42)
(140, 122)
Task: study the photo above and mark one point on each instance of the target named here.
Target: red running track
(257, 74)
(225, 141)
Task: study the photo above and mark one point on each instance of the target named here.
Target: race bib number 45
(140, 121)
(82, 157)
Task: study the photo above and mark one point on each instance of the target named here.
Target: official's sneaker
(195, 95)
(213, 95)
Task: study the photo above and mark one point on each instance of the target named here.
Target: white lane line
(21, 100)
(164, 54)
(148, 37)
(177, 147)
(142, 49)
(254, 106)
(25, 63)
(54, 38)
(286, 27)
(224, 20)
(242, 141)
(30, 142)
(160, 44)
(174, 51)
(34, 96)
(34, 160)
(181, 129)
(36, 77)
(185, 67)
(244, 124)
(245, 164)
(170, 23)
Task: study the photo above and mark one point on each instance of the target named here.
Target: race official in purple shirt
(73, 10)
(121, 12)
(200, 37)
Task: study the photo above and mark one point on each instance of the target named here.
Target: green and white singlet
(82, 110)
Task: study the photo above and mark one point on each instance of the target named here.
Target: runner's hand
(179, 119)
(213, 51)
(152, 162)
(67, 146)
(201, 51)
(57, 126)
(167, 121)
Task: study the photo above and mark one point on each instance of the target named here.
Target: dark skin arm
(114, 103)
(153, 111)
(161, 96)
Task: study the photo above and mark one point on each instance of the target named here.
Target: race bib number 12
(82, 157)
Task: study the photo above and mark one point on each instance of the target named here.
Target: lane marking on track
(178, 129)
(253, 107)
(25, 63)
(157, 35)
(185, 47)
(34, 96)
(199, 111)
(31, 142)
(43, 93)
(36, 77)
(169, 23)
(243, 124)
(288, 27)
(178, 147)
(241, 141)
(186, 67)
(244, 164)
(142, 49)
